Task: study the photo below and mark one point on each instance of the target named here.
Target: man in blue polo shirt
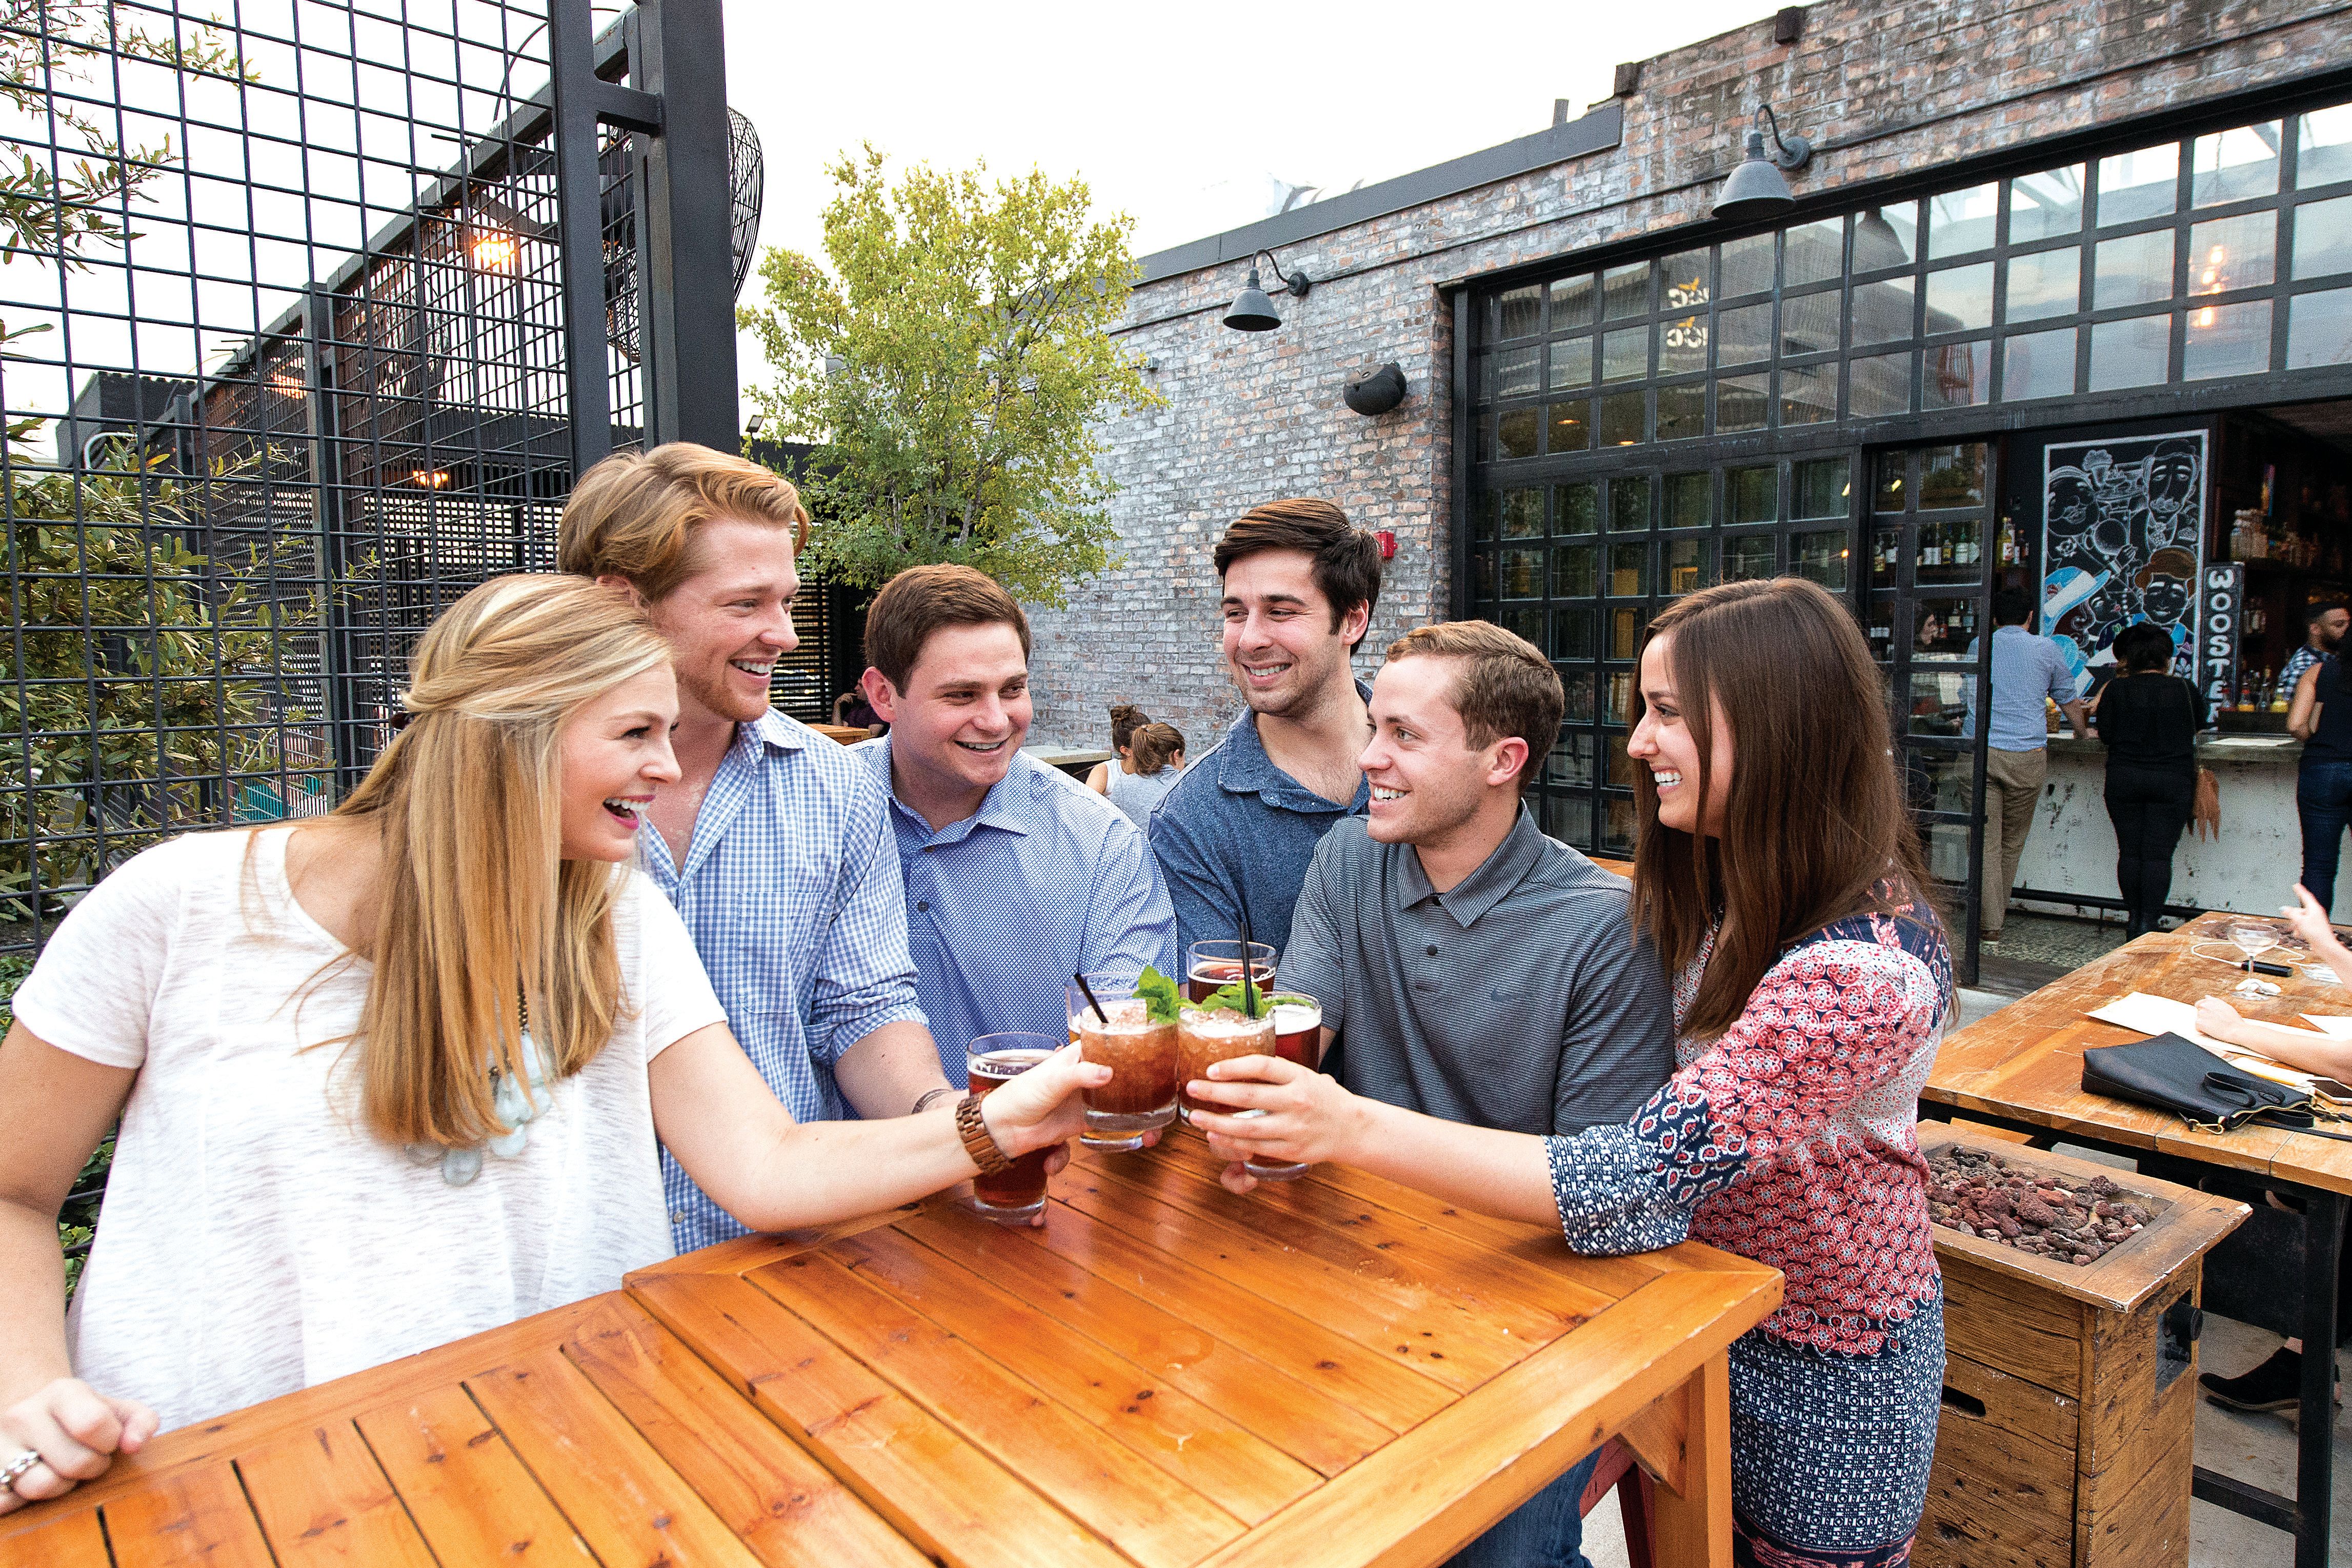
(1240, 828)
(1016, 876)
(2026, 669)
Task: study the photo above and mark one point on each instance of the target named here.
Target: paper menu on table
(2335, 1028)
(2146, 1014)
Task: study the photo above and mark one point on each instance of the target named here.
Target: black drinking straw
(1090, 999)
(1249, 1004)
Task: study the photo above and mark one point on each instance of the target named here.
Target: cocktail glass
(1015, 1195)
(1141, 1054)
(1216, 1035)
(2252, 938)
(1212, 965)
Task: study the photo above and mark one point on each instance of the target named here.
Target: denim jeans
(2322, 798)
(1545, 1532)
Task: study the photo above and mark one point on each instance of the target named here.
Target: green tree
(952, 368)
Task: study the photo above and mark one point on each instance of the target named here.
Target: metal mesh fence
(284, 374)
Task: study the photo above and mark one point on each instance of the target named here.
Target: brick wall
(1882, 89)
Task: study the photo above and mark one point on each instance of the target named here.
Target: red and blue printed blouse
(1792, 1138)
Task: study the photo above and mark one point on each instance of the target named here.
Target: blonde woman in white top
(398, 1075)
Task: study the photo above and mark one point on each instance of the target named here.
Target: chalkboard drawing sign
(2218, 628)
(2123, 539)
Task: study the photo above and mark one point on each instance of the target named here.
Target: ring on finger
(17, 1468)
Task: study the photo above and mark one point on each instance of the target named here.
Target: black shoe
(2276, 1384)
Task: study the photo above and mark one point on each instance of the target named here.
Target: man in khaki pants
(2025, 670)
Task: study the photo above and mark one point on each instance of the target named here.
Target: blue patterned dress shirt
(788, 893)
(1046, 880)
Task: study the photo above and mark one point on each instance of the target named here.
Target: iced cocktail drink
(1216, 1034)
(1141, 1056)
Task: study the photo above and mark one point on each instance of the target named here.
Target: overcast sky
(1190, 119)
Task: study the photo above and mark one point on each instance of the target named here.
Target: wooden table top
(2025, 1061)
(1337, 1371)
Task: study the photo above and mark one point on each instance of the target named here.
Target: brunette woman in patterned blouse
(1778, 873)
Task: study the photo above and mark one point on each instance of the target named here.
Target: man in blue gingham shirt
(775, 843)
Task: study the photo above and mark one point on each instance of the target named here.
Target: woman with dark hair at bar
(2148, 720)
(1126, 718)
(1779, 874)
(1158, 753)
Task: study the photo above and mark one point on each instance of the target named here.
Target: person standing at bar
(774, 844)
(2026, 669)
(2320, 716)
(2148, 718)
(2324, 628)
(1242, 823)
(1015, 879)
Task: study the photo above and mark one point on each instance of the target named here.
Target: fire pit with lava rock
(2065, 1218)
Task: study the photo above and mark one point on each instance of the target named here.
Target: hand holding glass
(1041, 1112)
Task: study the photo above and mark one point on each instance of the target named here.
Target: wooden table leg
(1691, 1523)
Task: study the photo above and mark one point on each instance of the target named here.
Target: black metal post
(2323, 1243)
(580, 227)
(335, 664)
(684, 253)
(1465, 427)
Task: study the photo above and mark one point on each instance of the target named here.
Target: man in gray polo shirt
(1480, 971)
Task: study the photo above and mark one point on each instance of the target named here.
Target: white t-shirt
(255, 1238)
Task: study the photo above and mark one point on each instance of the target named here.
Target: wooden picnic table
(1337, 1371)
(2022, 1068)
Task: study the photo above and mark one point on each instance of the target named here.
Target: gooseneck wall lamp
(1756, 188)
(1252, 310)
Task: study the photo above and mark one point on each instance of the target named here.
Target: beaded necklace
(515, 1099)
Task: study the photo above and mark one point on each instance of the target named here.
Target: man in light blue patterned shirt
(775, 844)
(1016, 876)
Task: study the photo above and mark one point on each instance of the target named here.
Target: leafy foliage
(953, 368)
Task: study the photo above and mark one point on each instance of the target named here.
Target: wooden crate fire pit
(2068, 1388)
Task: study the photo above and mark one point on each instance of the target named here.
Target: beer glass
(1214, 964)
(1298, 1037)
(1016, 1194)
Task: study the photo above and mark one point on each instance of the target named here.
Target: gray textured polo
(1518, 1000)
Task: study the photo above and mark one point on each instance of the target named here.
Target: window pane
(1571, 425)
(1569, 818)
(1682, 411)
(1945, 629)
(1819, 488)
(1482, 519)
(2140, 185)
(1522, 513)
(1628, 503)
(1742, 402)
(2044, 205)
(1940, 780)
(1571, 303)
(1951, 550)
(1617, 771)
(1625, 291)
(1690, 565)
(2227, 339)
(1690, 501)
(1571, 633)
(1684, 283)
(1481, 576)
(1522, 574)
(1575, 509)
(1625, 354)
(1885, 555)
(2134, 270)
(1625, 419)
(1517, 433)
(1958, 376)
(2323, 237)
(2232, 253)
(1886, 494)
(2234, 165)
(1519, 312)
(1618, 824)
(1821, 557)
(1940, 704)
(1747, 266)
(1751, 495)
(1952, 475)
(2134, 353)
(1961, 221)
(1527, 624)
(1886, 237)
(1571, 364)
(1576, 687)
(1515, 372)
(1629, 570)
(2038, 364)
(1879, 386)
(1619, 706)
(1746, 556)
(1809, 323)
(1575, 571)
(1813, 252)
(2046, 283)
(2324, 153)
(1682, 343)
(1959, 299)
(1745, 335)
(1808, 394)
(2319, 329)
(1881, 311)
(1571, 762)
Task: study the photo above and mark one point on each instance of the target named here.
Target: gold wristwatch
(978, 1141)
